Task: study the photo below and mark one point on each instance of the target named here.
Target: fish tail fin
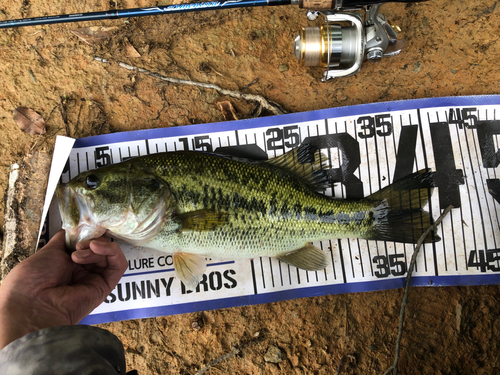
(399, 215)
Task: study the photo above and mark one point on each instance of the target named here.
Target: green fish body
(197, 205)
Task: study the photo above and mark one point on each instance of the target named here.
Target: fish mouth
(76, 217)
(82, 232)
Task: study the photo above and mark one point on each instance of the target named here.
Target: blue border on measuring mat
(286, 119)
(261, 122)
(255, 299)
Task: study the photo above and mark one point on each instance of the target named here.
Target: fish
(197, 205)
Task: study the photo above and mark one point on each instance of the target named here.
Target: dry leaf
(95, 34)
(29, 121)
(131, 51)
(227, 110)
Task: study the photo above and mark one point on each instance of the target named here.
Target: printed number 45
(389, 265)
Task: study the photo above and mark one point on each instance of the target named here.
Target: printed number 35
(391, 265)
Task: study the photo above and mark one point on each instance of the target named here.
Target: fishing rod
(339, 48)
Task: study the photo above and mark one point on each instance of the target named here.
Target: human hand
(51, 288)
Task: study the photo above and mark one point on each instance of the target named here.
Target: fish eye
(92, 181)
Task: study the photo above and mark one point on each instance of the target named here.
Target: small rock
(197, 324)
(274, 355)
(155, 339)
(417, 67)
(341, 97)
(283, 68)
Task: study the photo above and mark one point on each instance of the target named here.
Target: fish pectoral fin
(202, 220)
(309, 258)
(189, 268)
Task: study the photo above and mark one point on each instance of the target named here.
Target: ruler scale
(368, 147)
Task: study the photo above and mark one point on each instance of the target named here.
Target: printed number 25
(288, 134)
(384, 265)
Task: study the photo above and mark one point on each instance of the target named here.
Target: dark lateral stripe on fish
(218, 201)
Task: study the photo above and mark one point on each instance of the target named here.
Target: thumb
(56, 242)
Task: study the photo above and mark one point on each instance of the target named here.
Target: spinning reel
(346, 38)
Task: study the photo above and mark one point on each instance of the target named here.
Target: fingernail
(82, 253)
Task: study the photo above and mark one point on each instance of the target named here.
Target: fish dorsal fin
(309, 258)
(189, 268)
(202, 220)
(306, 162)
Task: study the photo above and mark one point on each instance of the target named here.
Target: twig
(250, 84)
(271, 107)
(351, 357)
(394, 366)
(232, 353)
(205, 368)
(38, 53)
(64, 116)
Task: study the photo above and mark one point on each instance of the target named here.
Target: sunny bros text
(164, 286)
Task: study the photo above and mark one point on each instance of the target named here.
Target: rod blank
(140, 12)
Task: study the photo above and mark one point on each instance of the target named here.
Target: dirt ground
(452, 49)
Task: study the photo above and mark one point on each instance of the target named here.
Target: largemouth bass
(197, 205)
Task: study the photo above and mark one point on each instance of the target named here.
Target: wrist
(18, 319)
(11, 328)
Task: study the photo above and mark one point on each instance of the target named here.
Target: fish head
(124, 201)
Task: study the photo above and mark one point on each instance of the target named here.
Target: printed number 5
(102, 157)
(384, 265)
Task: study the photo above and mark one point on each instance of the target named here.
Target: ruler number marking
(485, 260)
(394, 265)
(279, 138)
(380, 125)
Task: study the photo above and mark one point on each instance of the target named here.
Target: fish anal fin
(189, 268)
(202, 220)
(306, 162)
(309, 258)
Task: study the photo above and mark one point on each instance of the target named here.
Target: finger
(86, 244)
(116, 261)
(87, 256)
(82, 245)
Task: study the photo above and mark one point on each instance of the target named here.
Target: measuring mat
(369, 147)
